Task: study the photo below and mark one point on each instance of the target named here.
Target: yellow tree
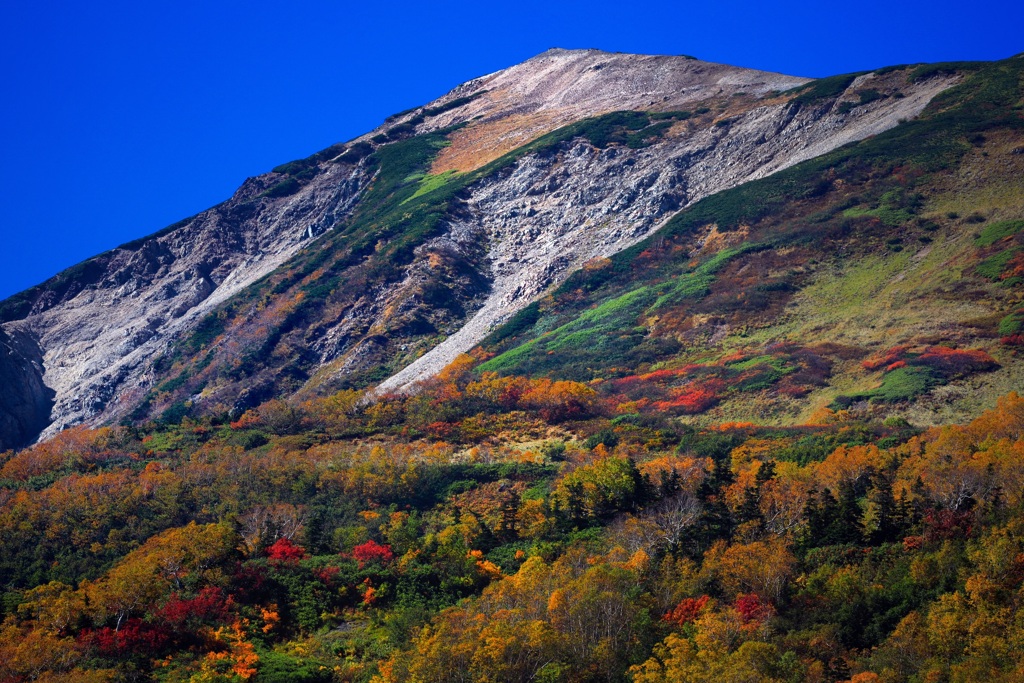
(761, 567)
(53, 606)
(31, 654)
(194, 552)
(680, 659)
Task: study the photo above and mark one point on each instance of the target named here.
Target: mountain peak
(511, 107)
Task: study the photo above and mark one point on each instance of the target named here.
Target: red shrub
(249, 579)
(686, 611)
(664, 375)
(696, 401)
(210, 605)
(912, 543)
(441, 430)
(326, 574)
(944, 360)
(1015, 268)
(283, 550)
(888, 358)
(695, 398)
(135, 636)
(943, 525)
(752, 608)
(793, 389)
(956, 361)
(249, 418)
(371, 551)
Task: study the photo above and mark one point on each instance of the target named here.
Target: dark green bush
(292, 167)
(942, 69)
(869, 95)
(674, 115)
(356, 153)
(286, 187)
(822, 89)
(454, 104)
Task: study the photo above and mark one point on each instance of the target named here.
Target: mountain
(600, 368)
(382, 259)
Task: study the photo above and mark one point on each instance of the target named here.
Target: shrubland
(508, 528)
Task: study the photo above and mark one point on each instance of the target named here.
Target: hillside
(879, 277)
(548, 380)
(342, 269)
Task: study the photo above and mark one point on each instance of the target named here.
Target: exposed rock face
(551, 214)
(25, 402)
(99, 336)
(90, 336)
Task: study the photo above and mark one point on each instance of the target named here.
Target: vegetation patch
(1012, 324)
(998, 231)
(822, 88)
(429, 183)
(894, 208)
(944, 69)
(454, 104)
(379, 545)
(909, 372)
(999, 266)
(286, 187)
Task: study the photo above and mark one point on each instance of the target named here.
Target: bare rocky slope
(235, 305)
(97, 328)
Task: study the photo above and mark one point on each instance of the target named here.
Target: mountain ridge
(103, 372)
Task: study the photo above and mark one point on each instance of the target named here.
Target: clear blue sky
(119, 118)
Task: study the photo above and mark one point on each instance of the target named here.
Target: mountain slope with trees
(774, 434)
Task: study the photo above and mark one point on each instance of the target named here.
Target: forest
(495, 528)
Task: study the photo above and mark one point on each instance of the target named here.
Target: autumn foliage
(687, 611)
(599, 548)
(283, 550)
(946, 361)
(371, 551)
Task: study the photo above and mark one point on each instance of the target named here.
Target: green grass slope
(910, 238)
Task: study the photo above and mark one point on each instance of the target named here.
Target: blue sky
(120, 118)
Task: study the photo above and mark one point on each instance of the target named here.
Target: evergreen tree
(575, 506)
(314, 535)
(750, 508)
(670, 483)
(887, 522)
(765, 473)
(819, 512)
(716, 520)
(849, 522)
(643, 491)
(508, 524)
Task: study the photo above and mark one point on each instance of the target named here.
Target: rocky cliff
(100, 326)
(378, 261)
(25, 401)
